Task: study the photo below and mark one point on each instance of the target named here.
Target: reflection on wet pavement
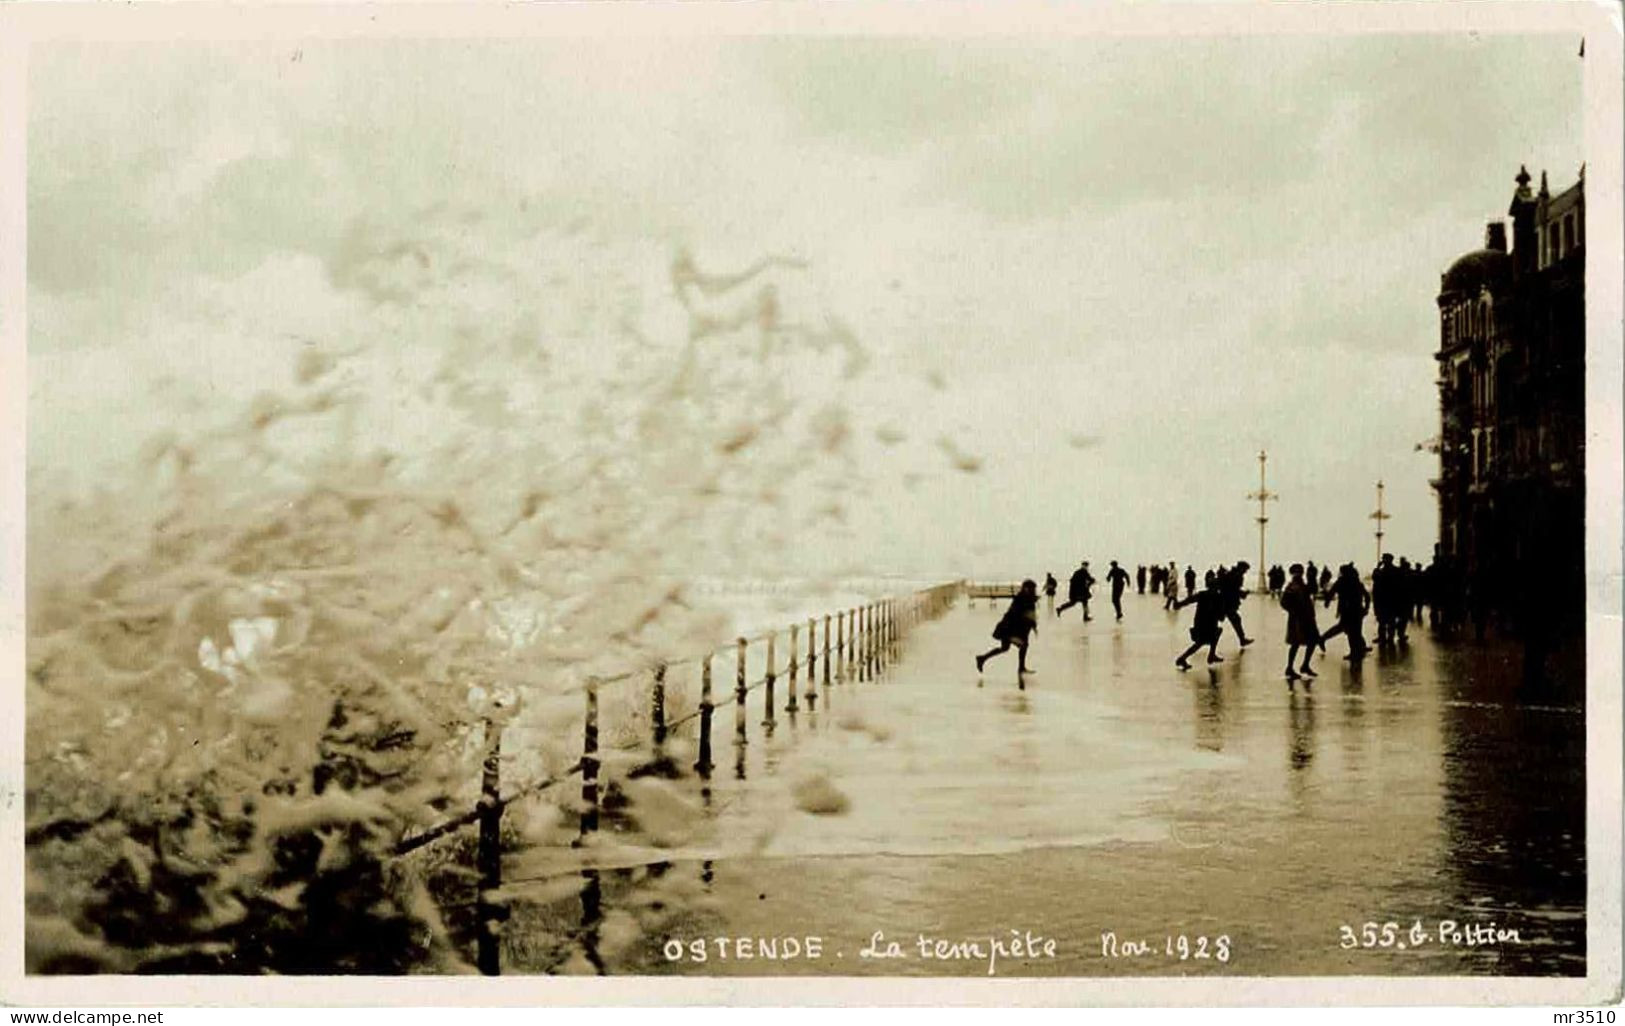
(1116, 794)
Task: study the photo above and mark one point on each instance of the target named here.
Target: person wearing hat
(1232, 584)
(1117, 577)
(1205, 628)
(1353, 602)
(1078, 590)
(1301, 628)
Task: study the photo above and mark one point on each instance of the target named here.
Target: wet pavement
(1189, 813)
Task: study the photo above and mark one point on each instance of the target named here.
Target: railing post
(657, 709)
(703, 765)
(867, 653)
(854, 641)
(769, 677)
(840, 646)
(880, 637)
(875, 640)
(864, 636)
(489, 856)
(812, 655)
(739, 694)
(795, 665)
(826, 650)
(885, 633)
(589, 762)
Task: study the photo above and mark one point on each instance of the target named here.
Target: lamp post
(1379, 516)
(1263, 495)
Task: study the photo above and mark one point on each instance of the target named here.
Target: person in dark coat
(1232, 584)
(1419, 592)
(1013, 628)
(1404, 599)
(1384, 597)
(1277, 578)
(1078, 591)
(1190, 581)
(1301, 629)
(1117, 577)
(1353, 602)
(1139, 579)
(1311, 579)
(1205, 628)
(1326, 578)
(1049, 590)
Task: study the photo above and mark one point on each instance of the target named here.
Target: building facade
(1511, 483)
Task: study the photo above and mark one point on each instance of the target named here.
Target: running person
(1078, 590)
(1020, 620)
(1206, 629)
(1353, 602)
(1232, 585)
(1118, 578)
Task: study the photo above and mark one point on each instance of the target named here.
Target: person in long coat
(1078, 590)
(1353, 603)
(1019, 621)
(1301, 629)
(1206, 626)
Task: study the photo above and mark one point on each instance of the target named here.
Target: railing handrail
(598, 680)
(867, 637)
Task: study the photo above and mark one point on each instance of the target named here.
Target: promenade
(1115, 794)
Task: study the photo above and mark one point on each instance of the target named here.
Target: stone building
(1511, 358)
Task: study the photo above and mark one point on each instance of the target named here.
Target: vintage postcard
(993, 504)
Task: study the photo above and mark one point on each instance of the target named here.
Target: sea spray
(266, 651)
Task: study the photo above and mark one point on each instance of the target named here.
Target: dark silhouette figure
(1443, 587)
(1049, 590)
(1205, 629)
(1301, 629)
(1078, 591)
(1326, 578)
(1117, 577)
(1139, 579)
(1353, 602)
(1232, 584)
(1190, 581)
(1277, 578)
(1385, 598)
(1013, 628)
(1404, 589)
(1311, 579)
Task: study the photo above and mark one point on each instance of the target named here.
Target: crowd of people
(1398, 594)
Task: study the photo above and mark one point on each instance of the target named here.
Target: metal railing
(856, 645)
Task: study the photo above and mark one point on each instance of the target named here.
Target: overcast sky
(1107, 272)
